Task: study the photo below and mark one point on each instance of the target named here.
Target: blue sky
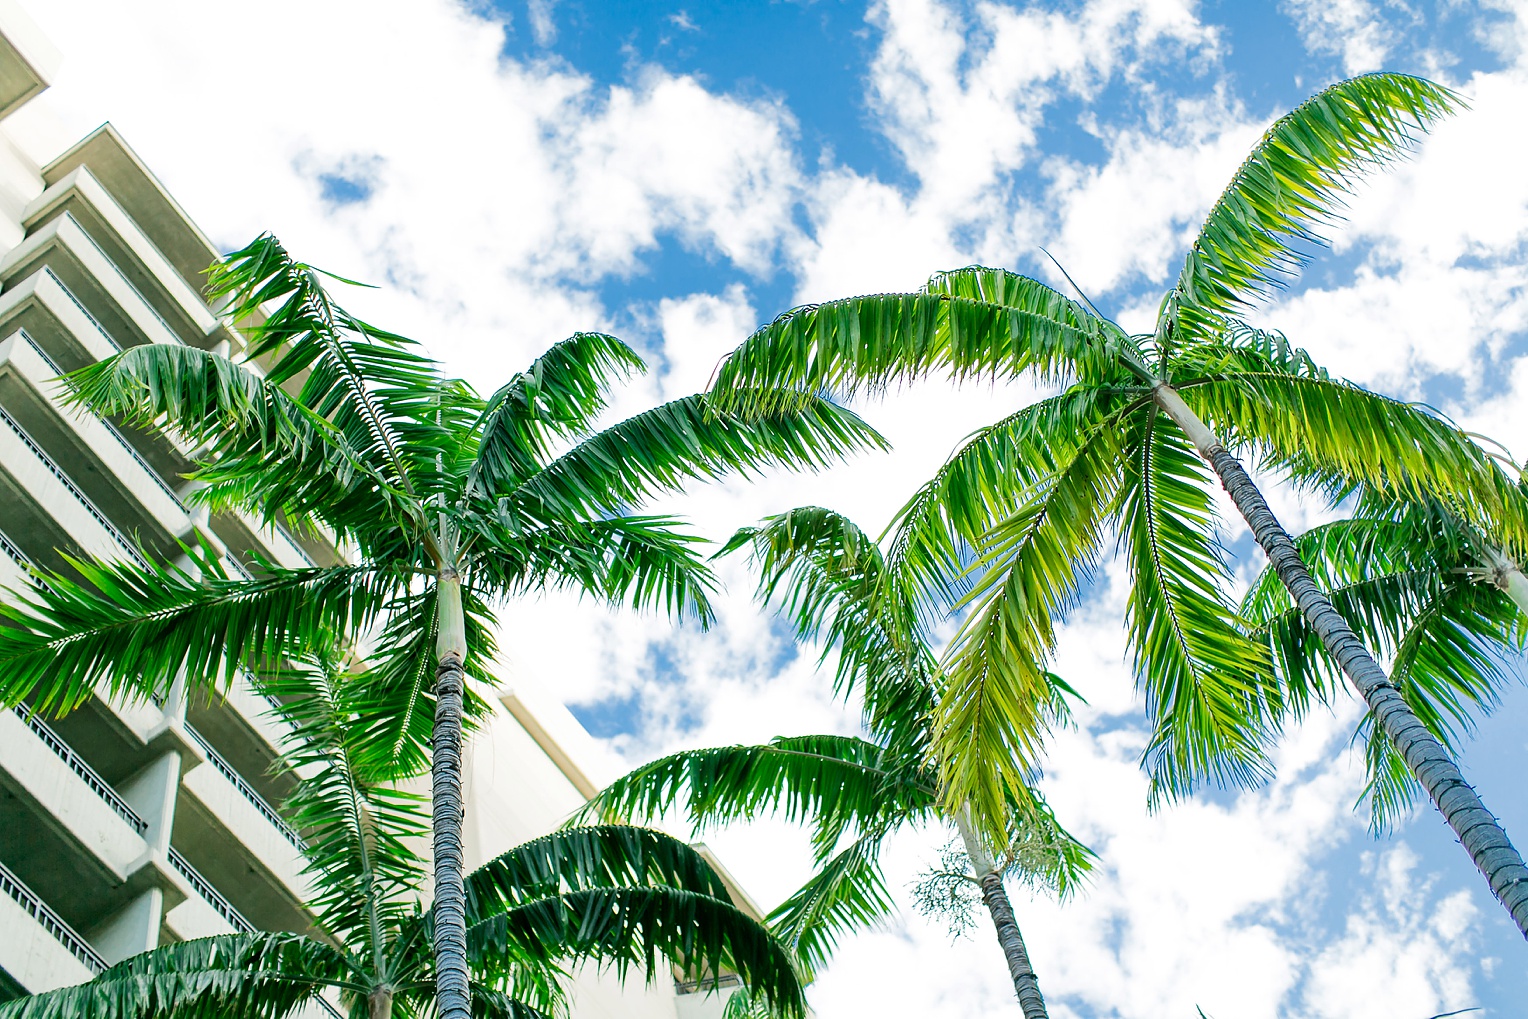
(680, 173)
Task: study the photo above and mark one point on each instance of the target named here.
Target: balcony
(232, 835)
(80, 195)
(63, 247)
(46, 510)
(139, 193)
(113, 474)
(205, 914)
(37, 948)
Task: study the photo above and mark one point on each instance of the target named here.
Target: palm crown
(825, 574)
(1128, 446)
(447, 502)
(616, 896)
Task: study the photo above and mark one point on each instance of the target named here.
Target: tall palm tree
(826, 574)
(446, 502)
(628, 898)
(1444, 601)
(1130, 444)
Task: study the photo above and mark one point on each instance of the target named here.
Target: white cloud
(1355, 30)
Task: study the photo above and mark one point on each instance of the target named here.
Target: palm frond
(973, 323)
(939, 533)
(645, 562)
(358, 827)
(558, 397)
(827, 578)
(685, 440)
(258, 976)
(1207, 685)
(1338, 436)
(135, 627)
(623, 897)
(373, 386)
(847, 894)
(242, 425)
(1000, 700)
(832, 783)
(1291, 185)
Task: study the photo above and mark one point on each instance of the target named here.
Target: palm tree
(1129, 444)
(628, 898)
(446, 503)
(827, 574)
(1445, 602)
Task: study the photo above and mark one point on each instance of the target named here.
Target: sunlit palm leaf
(1291, 186)
(1206, 683)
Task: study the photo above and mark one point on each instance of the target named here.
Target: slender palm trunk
(1480, 834)
(453, 995)
(380, 1003)
(1025, 984)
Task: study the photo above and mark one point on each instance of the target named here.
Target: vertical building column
(151, 792)
(132, 929)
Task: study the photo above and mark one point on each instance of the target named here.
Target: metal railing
(77, 765)
(706, 984)
(229, 772)
(9, 548)
(123, 277)
(74, 490)
(116, 433)
(50, 921)
(214, 898)
(83, 310)
(281, 530)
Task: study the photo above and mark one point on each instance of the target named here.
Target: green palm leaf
(558, 397)
(259, 976)
(833, 783)
(973, 323)
(1291, 186)
(685, 440)
(847, 894)
(624, 896)
(1206, 684)
(134, 628)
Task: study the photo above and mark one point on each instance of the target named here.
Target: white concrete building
(125, 827)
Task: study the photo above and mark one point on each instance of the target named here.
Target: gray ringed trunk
(1478, 830)
(454, 997)
(1025, 984)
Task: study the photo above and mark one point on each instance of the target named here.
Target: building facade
(128, 826)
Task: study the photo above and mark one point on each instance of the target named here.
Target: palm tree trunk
(1506, 575)
(380, 1004)
(1025, 983)
(1478, 830)
(452, 992)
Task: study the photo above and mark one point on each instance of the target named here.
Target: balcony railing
(50, 921)
(74, 490)
(116, 433)
(214, 898)
(9, 548)
(229, 772)
(122, 276)
(77, 765)
(83, 310)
